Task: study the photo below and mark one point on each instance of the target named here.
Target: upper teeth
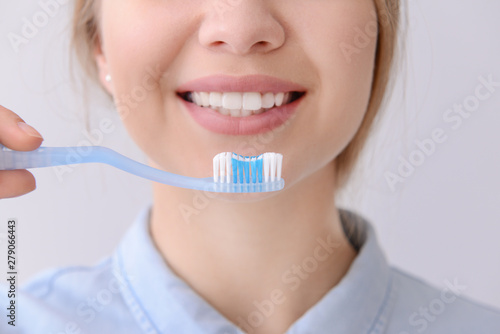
(240, 104)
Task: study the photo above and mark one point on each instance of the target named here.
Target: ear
(102, 67)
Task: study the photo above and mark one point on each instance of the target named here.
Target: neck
(261, 264)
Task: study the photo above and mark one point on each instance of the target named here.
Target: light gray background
(442, 223)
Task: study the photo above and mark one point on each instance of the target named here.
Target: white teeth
(238, 112)
(268, 100)
(223, 111)
(232, 100)
(240, 104)
(246, 113)
(216, 99)
(235, 112)
(270, 172)
(252, 101)
(279, 99)
(205, 99)
(196, 98)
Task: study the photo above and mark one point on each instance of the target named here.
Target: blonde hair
(86, 38)
(389, 19)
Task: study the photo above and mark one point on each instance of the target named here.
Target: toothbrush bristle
(234, 168)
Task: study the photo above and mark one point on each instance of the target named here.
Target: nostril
(240, 33)
(217, 43)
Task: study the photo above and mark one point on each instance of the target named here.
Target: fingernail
(29, 130)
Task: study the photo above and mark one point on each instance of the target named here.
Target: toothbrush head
(231, 168)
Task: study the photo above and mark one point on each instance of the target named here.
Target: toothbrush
(232, 173)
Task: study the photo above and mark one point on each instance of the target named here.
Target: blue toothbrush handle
(59, 156)
(45, 157)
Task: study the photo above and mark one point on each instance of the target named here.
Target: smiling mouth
(244, 104)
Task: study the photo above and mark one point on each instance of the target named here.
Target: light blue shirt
(134, 291)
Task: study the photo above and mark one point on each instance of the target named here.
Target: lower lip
(251, 125)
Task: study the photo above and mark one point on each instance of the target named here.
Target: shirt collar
(163, 303)
(362, 301)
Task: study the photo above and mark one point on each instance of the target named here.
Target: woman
(283, 262)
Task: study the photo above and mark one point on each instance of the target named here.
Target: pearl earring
(108, 78)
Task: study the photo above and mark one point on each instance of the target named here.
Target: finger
(14, 183)
(16, 134)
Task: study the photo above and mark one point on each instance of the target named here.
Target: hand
(19, 137)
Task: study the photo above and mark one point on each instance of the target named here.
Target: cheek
(142, 40)
(336, 107)
(344, 53)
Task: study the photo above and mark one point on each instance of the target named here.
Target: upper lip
(249, 83)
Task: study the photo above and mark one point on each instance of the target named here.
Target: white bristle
(229, 166)
(279, 165)
(222, 166)
(216, 168)
(265, 166)
(273, 167)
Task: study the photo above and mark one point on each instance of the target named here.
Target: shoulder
(420, 307)
(71, 299)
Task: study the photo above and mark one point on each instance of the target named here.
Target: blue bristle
(247, 170)
(235, 169)
(259, 168)
(242, 169)
(241, 165)
(254, 170)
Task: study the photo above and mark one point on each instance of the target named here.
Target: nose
(241, 27)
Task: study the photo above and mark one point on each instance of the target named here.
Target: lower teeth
(239, 113)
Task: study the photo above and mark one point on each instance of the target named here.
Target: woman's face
(159, 51)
